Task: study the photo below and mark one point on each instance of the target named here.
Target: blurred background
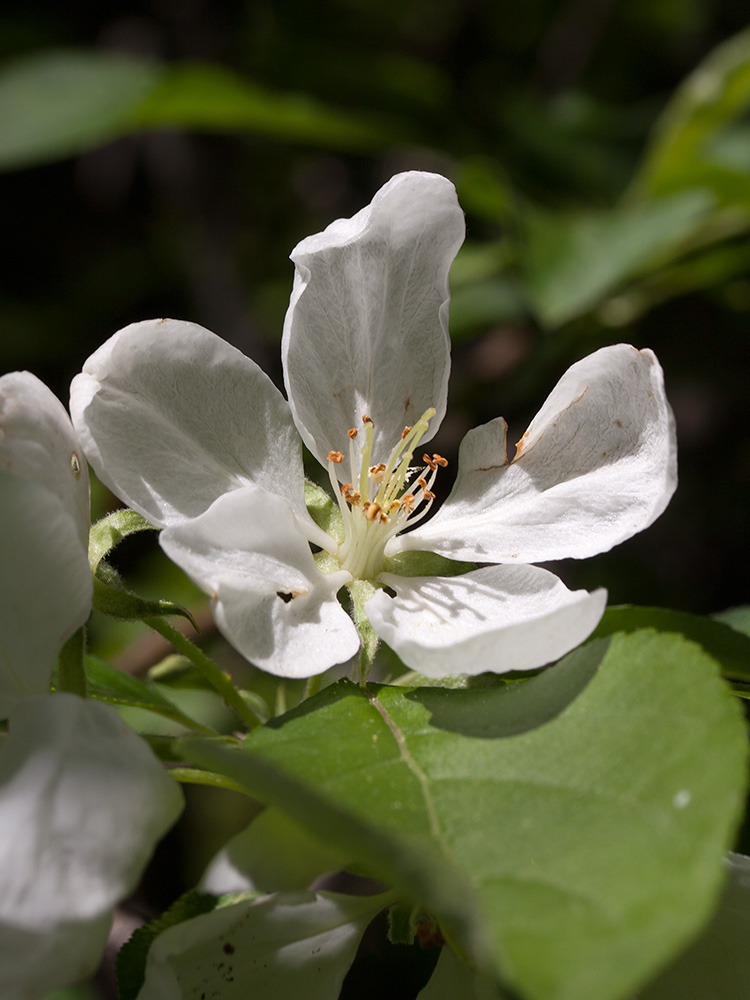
(163, 158)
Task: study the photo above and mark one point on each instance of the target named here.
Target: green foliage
(584, 849)
(55, 104)
(106, 683)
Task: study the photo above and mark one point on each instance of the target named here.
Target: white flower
(45, 579)
(193, 435)
(82, 798)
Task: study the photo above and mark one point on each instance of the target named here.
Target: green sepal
(361, 591)
(131, 960)
(324, 511)
(71, 673)
(402, 923)
(112, 599)
(416, 563)
(111, 530)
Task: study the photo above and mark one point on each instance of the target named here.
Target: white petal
(597, 465)
(367, 326)
(45, 585)
(34, 963)
(82, 803)
(495, 619)
(269, 598)
(171, 417)
(37, 442)
(279, 947)
(272, 853)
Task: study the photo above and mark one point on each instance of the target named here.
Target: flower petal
(45, 583)
(596, 465)
(286, 945)
(171, 417)
(33, 964)
(367, 326)
(37, 442)
(83, 801)
(495, 619)
(269, 598)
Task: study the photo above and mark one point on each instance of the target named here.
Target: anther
(428, 495)
(346, 488)
(431, 463)
(439, 460)
(407, 502)
(372, 510)
(404, 432)
(366, 419)
(422, 482)
(352, 432)
(336, 457)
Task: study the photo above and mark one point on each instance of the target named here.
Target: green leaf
(716, 965)
(724, 643)
(107, 683)
(573, 263)
(111, 598)
(60, 103)
(202, 96)
(111, 530)
(453, 979)
(737, 618)
(131, 959)
(56, 104)
(715, 94)
(413, 867)
(276, 947)
(592, 844)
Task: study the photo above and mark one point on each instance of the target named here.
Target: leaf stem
(212, 673)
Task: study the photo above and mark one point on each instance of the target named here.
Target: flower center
(381, 499)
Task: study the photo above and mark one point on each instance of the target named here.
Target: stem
(71, 674)
(194, 776)
(212, 673)
(361, 591)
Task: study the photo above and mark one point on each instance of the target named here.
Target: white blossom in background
(45, 579)
(83, 802)
(82, 799)
(192, 434)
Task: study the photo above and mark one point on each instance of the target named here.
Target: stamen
(352, 432)
(366, 419)
(336, 457)
(372, 510)
(431, 463)
(407, 502)
(405, 431)
(428, 494)
(439, 460)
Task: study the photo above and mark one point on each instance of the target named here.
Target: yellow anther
(336, 457)
(431, 463)
(428, 495)
(372, 510)
(404, 432)
(422, 482)
(352, 432)
(394, 506)
(407, 502)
